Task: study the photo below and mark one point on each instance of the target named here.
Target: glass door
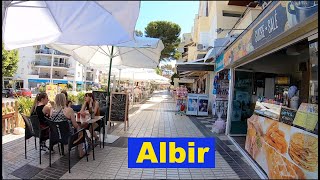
(241, 105)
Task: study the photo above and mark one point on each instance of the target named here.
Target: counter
(282, 142)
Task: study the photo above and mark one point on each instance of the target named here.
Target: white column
(51, 70)
(119, 77)
(230, 99)
(85, 77)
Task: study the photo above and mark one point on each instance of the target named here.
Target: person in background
(69, 104)
(66, 94)
(91, 106)
(43, 112)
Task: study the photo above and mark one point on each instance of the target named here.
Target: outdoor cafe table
(90, 120)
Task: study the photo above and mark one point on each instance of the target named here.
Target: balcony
(47, 63)
(44, 51)
(44, 75)
(49, 52)
(89, 69)
(89, 79)
(55, 64)
(47, 75)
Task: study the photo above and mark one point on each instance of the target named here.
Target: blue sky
(179, 12)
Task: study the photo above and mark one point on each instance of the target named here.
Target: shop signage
(307, 116)
(287, 115)
(219, 63)
(277, 18)
(171, 153)
(52, 91)
(271, 26)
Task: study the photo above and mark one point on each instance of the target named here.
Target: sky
(179, 12)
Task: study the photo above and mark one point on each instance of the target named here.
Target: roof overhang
(242, 3)
(219, 45)
(194, 67)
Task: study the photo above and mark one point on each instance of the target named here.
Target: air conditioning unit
(201, 47)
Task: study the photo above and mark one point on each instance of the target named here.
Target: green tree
(175, 75)
(159, 71)
(169, 33)
(9, 62)
(138, 33)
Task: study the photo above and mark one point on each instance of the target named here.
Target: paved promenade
(154, 118)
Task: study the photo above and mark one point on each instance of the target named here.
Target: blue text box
(171, 153)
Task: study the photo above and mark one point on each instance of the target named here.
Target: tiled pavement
(154, 118)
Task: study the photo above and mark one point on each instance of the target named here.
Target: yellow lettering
(201, 152)
(163, 152)
(173, 151)
(147, 146)
(191, 152)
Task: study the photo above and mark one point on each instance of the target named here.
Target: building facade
(40, 64)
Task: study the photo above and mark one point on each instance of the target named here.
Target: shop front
(196, 99)
(273, 90)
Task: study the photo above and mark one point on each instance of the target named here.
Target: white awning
(219, 46)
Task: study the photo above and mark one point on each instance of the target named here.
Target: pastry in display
(303, 150)
(280, 167)
(276, 138)
(254, 137)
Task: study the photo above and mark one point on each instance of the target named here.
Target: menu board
(101, 97)
(287, 115)
(282, 151)
(118, 107)
(307, 116)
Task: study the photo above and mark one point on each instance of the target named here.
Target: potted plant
(77, 101)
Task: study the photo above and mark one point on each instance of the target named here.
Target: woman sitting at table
(41, 109)
(91, 106)
(62, 113)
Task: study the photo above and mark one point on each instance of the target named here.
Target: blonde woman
(63, 113)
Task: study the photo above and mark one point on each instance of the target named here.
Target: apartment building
(215, 26)
(40, 64)
(186, 41)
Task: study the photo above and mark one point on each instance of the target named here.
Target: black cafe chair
(33, 129)
(60, 133)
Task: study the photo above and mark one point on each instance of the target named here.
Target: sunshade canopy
(28, 23)
(142, 52)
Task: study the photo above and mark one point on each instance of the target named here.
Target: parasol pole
(108, 95)
(109, 77)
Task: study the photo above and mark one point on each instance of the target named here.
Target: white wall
(26, 56)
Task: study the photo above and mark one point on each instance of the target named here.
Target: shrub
(25, 104)
(42, 89)
(73, 98)
(80, 97)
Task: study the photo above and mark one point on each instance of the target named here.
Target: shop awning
(60, 81)
(195, 66)
(38, 80)
(219, 45)
(79, 82)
